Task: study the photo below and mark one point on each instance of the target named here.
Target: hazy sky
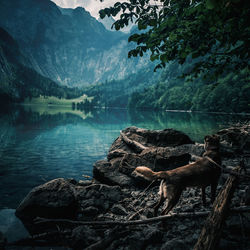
(93, 6)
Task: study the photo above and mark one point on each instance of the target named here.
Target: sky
(93, 6)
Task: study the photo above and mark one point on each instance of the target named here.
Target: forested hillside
(116, 93)
(227, 93)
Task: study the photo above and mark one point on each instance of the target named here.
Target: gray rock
(181, 227)
(104, 172)
(235, 140)
(165, 149)
(151, 138)
(119, 210)
(100, 196)
(54, 199)
(84, 183)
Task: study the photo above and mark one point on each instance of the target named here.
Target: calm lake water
(38, 144)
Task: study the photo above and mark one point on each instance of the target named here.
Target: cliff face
(17, 81)
(67, 45)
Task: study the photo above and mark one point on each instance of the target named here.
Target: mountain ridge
(73, 49)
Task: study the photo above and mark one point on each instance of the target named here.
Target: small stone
(182, 227)
(84, 183)
(119, 210)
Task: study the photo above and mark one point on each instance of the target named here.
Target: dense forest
(116, 93)
(227, 93)
(205, 42)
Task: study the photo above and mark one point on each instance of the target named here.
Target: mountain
(18, 81)
(108, 22)
(68, 46)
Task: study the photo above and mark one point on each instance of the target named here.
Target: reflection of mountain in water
(42, 143)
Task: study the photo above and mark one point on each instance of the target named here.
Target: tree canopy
(213, 34)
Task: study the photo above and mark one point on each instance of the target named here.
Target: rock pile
(115, 194)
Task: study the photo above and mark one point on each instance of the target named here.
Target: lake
(40, 143)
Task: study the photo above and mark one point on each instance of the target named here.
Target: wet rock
(54, 199)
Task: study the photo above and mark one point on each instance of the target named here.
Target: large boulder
(235, 140)
(158, 150)
(54, 199)
(150, 138)
(61, 198)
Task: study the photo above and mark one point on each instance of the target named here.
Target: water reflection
(39, 143)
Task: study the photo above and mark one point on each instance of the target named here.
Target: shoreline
(148, 109)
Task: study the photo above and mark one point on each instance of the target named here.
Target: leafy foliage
(214, 32)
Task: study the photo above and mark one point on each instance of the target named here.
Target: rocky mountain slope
(67, 45)
(18, 81)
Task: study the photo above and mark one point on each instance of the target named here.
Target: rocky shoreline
(115, 194)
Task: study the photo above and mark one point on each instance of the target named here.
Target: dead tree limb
(211, 232)
(124, 223)
(242, 209)
(138, 147)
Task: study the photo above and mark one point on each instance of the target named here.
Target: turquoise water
(38, 144)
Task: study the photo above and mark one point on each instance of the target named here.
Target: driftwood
(138, 147)
(211, 232)
(136, 222)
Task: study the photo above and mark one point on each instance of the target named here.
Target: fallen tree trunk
(136, 146)
(211, 232)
